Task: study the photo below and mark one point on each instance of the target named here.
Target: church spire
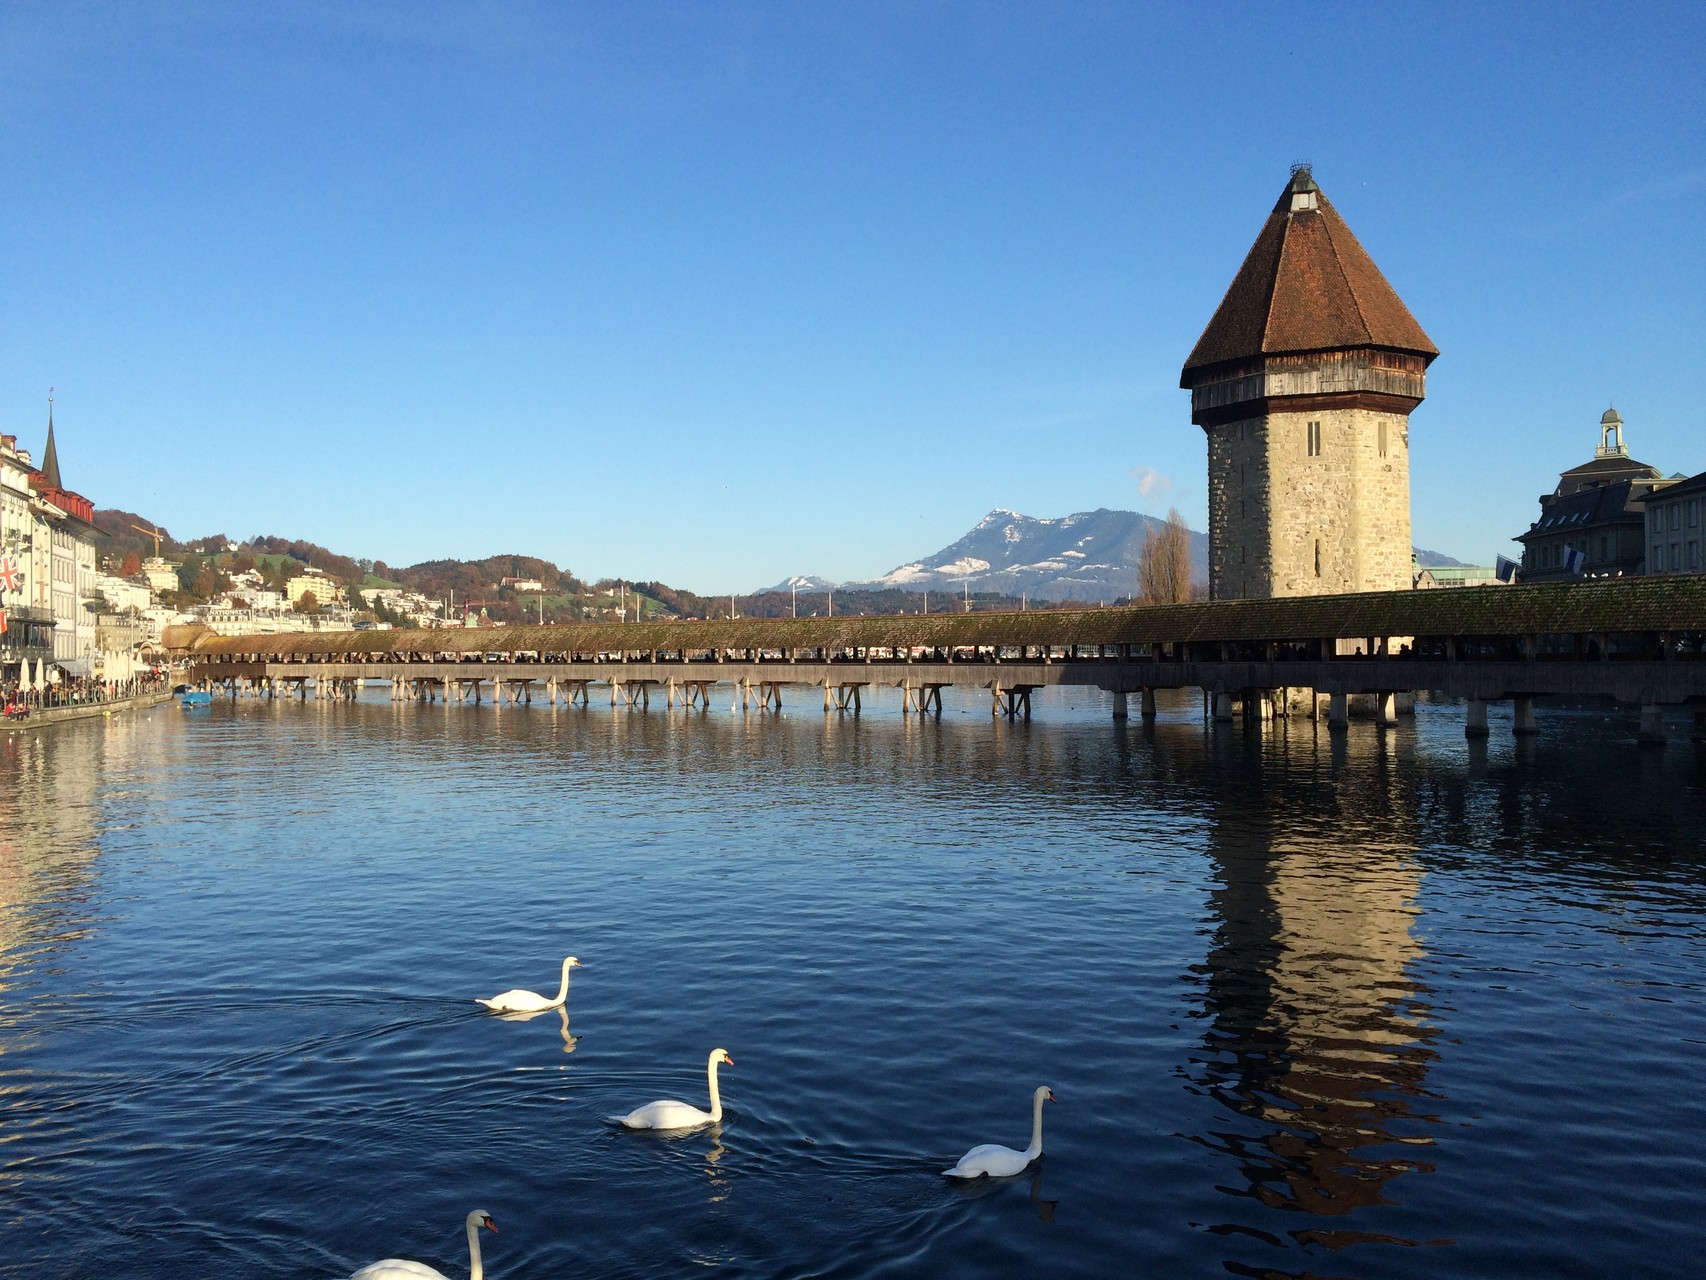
(50, 455)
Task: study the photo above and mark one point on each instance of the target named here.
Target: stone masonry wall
(1283, 522)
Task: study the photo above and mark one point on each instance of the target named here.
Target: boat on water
(195, 698)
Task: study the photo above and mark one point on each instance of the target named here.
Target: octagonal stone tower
(1304, 381)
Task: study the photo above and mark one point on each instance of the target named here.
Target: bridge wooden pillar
(1148, 704)
(848, 696)
(924, 698)
(1700, 726)
(1475, 722)
(1385, 710)
(1524, 725)
(1338, 712)
(1222, 706)
(1652, 724)
(1122, 706)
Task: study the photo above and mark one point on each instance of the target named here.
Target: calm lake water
(1391, 1005)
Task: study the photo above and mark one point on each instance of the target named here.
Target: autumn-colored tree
(131, 567)
(307, 602)
(1164, 564)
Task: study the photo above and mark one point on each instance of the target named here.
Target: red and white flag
(10, 578)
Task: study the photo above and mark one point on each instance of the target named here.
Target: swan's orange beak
(489, 1223)
(729, 1058)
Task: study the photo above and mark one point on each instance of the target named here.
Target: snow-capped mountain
(1091, 555)
(799, 582)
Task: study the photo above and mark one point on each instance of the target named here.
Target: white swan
(402, 1269)
(669, 1114)
(519, 1001)
(994, 1161)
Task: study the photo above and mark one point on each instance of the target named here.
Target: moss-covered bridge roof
(1613, 605)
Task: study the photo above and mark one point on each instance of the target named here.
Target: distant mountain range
(1090, 556)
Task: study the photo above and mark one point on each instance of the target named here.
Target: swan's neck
(1036, 1147)
(563, 986)
(716, 1098)
(476, 1271)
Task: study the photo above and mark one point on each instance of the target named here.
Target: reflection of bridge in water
(1639, 641)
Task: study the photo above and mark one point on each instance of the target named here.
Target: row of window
(1678, 557)
(1680, 513)
(1312, 437)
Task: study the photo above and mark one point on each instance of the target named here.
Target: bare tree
(1164, 564)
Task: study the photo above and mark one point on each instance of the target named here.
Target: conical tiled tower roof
(1306, 285)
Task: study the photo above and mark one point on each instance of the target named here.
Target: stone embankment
(40, 717)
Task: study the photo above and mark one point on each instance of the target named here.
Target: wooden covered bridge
(1640, 641)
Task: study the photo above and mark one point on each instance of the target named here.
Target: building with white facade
(122, 595)
(25, 600)
(66, 524)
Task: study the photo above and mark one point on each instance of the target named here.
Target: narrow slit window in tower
(1382, 439)
(1314, 439)
(1317, 557)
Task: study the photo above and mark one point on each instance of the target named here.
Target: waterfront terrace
(1640, 641)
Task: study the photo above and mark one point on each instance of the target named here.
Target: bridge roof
(1669, 603)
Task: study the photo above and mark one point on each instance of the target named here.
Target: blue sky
(717, 293)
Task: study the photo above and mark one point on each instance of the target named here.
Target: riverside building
(1594, 524)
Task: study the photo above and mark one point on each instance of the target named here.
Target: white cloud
(1152, 483)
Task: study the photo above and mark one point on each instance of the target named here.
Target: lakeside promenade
(40, 717)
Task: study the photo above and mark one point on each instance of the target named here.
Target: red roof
(73, 504)
(1306, 285)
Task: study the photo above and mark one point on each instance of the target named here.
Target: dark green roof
(1671, 603)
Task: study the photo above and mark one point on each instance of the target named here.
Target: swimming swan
(993, 1161)
(401, 1269)
(519, 1001)
(669, 1114)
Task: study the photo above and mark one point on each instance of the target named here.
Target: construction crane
(151, 532)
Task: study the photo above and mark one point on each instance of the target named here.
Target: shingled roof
(1670, 603)
(1306, 285)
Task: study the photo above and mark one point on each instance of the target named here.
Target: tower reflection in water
(1318, 1037)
